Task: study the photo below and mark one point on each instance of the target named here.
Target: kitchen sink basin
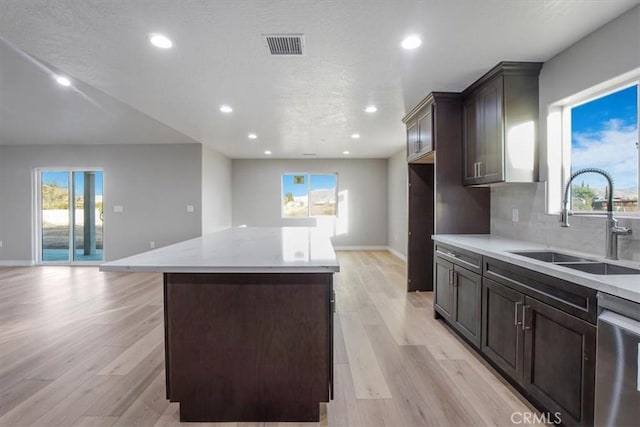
(551, 256)
(601, 268)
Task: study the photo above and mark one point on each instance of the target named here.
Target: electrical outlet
(118, 209)
(0, 243)
(190, 209)
(515, 215)
(152, 244)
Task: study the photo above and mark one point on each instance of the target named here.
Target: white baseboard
(397, 254)
(16, 263)
(360, 248)
(372, 248)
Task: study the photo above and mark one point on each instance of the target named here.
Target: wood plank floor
(83, 348)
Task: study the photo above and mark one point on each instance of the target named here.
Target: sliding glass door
(70, 218)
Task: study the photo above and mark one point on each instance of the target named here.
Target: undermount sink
(577, 263)
(551, 256)
(602, 268)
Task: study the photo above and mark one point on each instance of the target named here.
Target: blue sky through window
(61, 179)
(323, 182)
(79, 184)
(318, 182)
(297, 190)
(604, 134)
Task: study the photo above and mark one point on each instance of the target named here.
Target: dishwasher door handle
(620, 321)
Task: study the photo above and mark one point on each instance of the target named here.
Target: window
(305, 195)
(70, 220)
(604, 135)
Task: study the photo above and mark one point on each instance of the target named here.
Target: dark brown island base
(248, 323)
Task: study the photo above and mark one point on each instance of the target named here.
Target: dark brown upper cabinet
(420, 141)
(438, 203)
(500, 125)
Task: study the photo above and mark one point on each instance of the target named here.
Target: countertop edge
(584, 279)
(200, 270)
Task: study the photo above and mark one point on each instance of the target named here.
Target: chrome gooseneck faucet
(613, 230)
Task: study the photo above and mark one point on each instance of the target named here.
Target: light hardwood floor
(83, 348)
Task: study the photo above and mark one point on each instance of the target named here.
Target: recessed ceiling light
(226, 109)
(252, 136)
(355, 136)
(346, 153)
(267, 152)
(371, 109)
(161, 41)
(411, 42)
(63, 81)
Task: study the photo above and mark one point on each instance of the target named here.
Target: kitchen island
(248, 322)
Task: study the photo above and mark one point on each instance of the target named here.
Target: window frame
(308, 175)
(564, 108)
(37, 217)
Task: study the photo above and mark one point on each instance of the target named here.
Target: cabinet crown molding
(505, 68)
(433, 97)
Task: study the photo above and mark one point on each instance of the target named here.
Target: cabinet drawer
(571, 298)
(469, 260)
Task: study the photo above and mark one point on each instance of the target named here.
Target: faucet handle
(621, 231)
(564, 219)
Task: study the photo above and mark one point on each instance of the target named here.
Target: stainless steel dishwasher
(618, 363)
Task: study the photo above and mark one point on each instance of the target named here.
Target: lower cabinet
(467, 303)
(559, 362)
(458, 298)
(538, 330)
(443, 299)
(502, 333)
(548, 352)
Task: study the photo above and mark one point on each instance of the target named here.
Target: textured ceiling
(126, 91)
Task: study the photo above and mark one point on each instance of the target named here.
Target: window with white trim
(309, 195)
(603, 133)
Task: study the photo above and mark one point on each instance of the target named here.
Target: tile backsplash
(586, 234)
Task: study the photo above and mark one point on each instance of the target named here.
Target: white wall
(397, 182)
(362, 184)
(216, 191)
(154, 184)
(607, 53)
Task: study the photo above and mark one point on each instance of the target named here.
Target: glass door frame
(39, 218)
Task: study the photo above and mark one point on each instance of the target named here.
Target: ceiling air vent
(285, 44)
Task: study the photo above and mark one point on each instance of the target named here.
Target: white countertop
(623, 286)
(240, 250)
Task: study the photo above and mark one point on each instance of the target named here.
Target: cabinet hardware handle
(516, 321)
(450, 272)
(524, 317)
(333, 301)
(451, 254)
(455, 280)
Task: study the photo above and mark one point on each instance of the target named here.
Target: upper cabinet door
(425, 131)
(490, 167)
(470, 134)
(413, 139)
(499, 125)
(420, 132)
